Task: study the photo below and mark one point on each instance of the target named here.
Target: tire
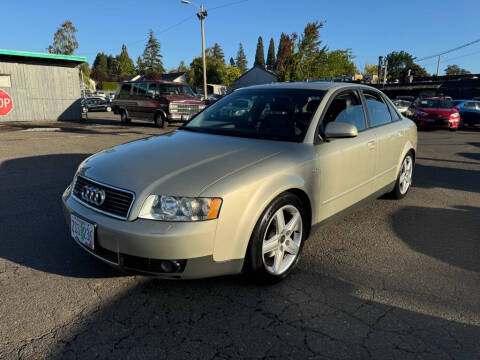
(270, 241)
(405, 174)
(123, 117)
(160, 121)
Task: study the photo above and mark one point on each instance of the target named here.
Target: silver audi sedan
(240, 186)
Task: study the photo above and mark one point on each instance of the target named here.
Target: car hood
(437, 111)
(180, 163)
(183, 99)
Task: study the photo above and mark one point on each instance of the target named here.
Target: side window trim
(368, 111)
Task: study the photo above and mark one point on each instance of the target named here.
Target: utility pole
(385, 73)
(202, 15)
(438, 64)
(380, 64)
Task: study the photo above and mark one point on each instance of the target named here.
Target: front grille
(188, 109)
(117, 202)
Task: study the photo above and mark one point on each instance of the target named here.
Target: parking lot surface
(392, 280)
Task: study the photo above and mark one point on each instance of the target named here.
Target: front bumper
(139, 246)
(438, 124)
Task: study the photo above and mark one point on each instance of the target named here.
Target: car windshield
(274, 114)
(402, 103)
(176, 90)
(435, 103)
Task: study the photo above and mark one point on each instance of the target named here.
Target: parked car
(469, 111)
(239, 191)
(436, 113)
(163, 102)
(402, 105)
(96, 104)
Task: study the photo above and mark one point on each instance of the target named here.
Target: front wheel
(277, 240)
(404, 179)
(123, 117)
(160, 121)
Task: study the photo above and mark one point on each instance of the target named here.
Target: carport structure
(41, 86)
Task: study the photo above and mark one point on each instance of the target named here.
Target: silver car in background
(402, 106)
(239, 188)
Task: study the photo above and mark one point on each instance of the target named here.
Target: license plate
(82, 231)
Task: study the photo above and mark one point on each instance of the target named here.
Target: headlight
(174, 208)
(201, 107)
(173, 108)
(455, 115)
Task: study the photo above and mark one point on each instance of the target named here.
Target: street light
(201, 15)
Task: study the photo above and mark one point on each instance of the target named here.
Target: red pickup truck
(163, 102)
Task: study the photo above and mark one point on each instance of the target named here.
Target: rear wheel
(160, 121)
(277, 240)
(404, 179)
(124, 118)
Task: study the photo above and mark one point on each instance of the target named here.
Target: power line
(454, 58)
(449, 51)
(175, 25)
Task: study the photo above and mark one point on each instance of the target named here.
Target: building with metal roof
(39, 86)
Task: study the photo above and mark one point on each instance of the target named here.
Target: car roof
(164, 82)
(313, 85)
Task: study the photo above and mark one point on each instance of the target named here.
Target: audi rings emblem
(93, 195)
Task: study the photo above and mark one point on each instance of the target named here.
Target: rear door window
(152, 90)
(377, 109)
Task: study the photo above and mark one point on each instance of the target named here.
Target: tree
(399, 63)
(151, 59)
(232, 62)
(64, 40)
(126, 66)
(311, 55)
(271, 55)
(182, 67)
(100, 67)
(260, 54)
(241, 60)
(338, 63)
(456, 70)
(232, 73)
(218, 52)
(284, 63)
(370, 70)
(215, 71)
(113, 67)
(84, 73)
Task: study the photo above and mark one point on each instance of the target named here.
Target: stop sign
(6, 103)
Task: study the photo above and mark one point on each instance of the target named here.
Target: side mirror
(340, 130)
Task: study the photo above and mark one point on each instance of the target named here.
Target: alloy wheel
(282, 240)
(406, 174)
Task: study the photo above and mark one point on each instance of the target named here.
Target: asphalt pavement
(392, 280)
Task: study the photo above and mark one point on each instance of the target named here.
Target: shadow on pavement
(447, 235)
(32, 226)
(306, 316)
(427, 176)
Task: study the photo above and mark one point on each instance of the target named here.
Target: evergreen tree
(182, 67)
(113, 67)
(218, 52)
(271, 55)
(260, 54)
(151, 59)
(100, 64)
(241, 60)
(232, 62)
(125, 63)
(283, 65)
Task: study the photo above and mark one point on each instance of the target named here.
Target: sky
(370, 28)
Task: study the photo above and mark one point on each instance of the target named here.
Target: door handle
(371, 144)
